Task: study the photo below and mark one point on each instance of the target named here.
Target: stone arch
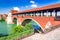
(15, 20)
(32, 20)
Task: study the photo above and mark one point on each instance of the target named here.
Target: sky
(8, 5)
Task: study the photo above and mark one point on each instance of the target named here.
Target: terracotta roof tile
(41, 8)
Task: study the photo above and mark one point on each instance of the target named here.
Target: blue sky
(7, 5)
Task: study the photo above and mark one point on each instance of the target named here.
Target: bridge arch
(30, 19)
(15, 20)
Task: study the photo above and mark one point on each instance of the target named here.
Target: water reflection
(35, 25)
(5, 28)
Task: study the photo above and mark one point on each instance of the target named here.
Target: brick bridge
(45, 17)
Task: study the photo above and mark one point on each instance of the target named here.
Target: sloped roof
(41, 8)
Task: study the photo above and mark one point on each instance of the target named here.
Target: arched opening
(15, 20)
(35, 26)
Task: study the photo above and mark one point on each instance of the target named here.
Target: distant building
(3, 16)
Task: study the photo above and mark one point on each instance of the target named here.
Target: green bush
(18, 32)
(17, 29)
(28, 26)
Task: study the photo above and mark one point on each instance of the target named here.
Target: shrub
(18, 32)
(17, 29)
(28, 26)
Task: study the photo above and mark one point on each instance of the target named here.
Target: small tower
(9, 18)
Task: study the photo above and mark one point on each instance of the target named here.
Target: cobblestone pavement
(53, 35)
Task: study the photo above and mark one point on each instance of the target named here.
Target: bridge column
(41, 13)
(47, 14)
(18, 21)
(53, 13)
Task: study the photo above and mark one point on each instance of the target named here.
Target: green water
(5, 28)
(10, 27)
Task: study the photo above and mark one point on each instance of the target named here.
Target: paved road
(53, 35)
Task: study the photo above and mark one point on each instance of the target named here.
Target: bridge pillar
(41, 13)
(53, 13)
(19, 20)
(47, 14)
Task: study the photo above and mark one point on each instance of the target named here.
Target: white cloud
(34, 5)
(32, 2)
(16, 8)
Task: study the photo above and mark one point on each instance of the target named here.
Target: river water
(5, 28)
(35, 25)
